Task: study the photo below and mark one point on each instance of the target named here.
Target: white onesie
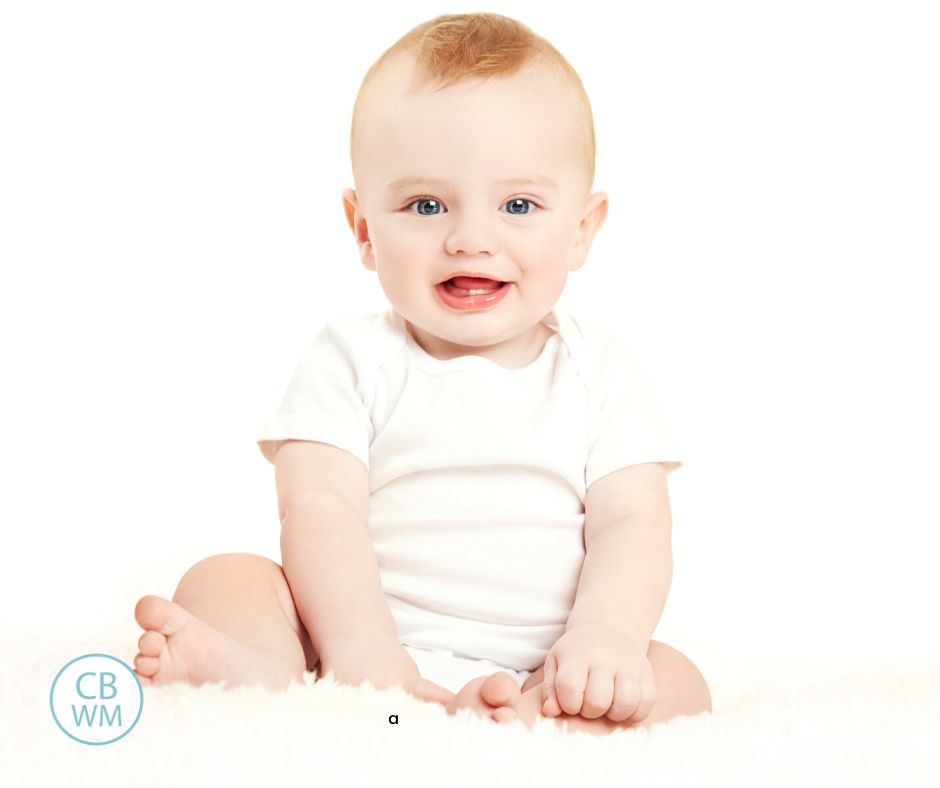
(478, 473)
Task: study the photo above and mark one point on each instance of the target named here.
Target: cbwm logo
(96, 699)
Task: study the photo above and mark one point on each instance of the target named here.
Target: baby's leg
(232, 619)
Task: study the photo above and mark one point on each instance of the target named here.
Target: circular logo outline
(140, 689)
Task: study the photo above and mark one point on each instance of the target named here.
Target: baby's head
(444, 120)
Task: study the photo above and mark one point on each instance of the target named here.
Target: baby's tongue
(475, 283)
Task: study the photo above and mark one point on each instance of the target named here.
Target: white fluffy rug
(776, 721)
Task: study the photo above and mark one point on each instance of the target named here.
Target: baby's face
(465, 143)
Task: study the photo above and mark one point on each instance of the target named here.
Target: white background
(172, 237)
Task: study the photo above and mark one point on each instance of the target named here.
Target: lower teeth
(462, 292)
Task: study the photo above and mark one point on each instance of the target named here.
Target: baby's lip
(475, 274)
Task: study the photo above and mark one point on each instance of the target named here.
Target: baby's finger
(550, 707)
(598, 694)
(548, 676)
(626, 697)
(429, 691)
(570, 682)
(647, 699)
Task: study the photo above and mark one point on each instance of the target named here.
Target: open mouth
(477, 287)
(482, 294)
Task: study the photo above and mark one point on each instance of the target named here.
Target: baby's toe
(500, 689)
(146, 666)
(151, 643)
(504, 714)
(160, 614)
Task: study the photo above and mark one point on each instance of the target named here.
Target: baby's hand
(378, 657)
(595, 670)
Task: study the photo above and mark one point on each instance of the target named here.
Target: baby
(471, 484)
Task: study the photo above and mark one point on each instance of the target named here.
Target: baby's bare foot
(177, 646)
(492, 696)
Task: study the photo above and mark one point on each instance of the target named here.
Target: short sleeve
(626, 425)
(322, 402)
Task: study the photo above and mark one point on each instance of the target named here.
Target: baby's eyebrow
(408, 181)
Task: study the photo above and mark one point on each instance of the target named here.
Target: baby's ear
(351, 207)
(594, 216)
(357, 223)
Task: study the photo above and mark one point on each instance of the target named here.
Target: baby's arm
(328, 557)
(621, 593)
(330, 564)
(627, 568)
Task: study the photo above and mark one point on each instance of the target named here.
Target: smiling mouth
(453, 288)
(467, 284)
(472, 298)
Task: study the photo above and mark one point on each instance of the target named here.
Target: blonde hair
(452, 48)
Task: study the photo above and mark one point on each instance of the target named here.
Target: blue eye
(425, 200)
(431, 202)
(517, 200)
